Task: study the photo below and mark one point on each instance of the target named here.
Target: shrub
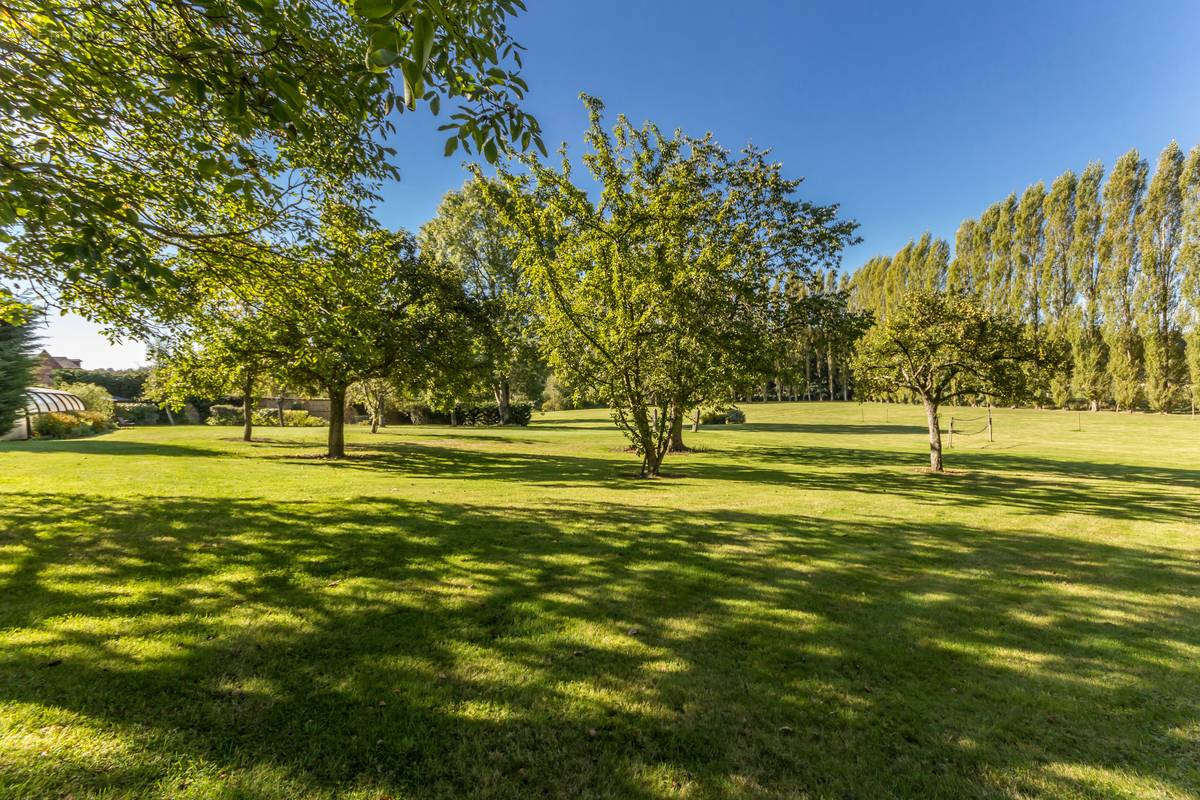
(300, 418)
(424, 415)
(95, 398)
(723, 415)
(520, 414)
(68, 424)
(224, 415)
(292, 418)
(137, 413)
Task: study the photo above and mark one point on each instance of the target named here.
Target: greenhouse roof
(39, 400)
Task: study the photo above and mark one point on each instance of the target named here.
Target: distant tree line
(1110, 268)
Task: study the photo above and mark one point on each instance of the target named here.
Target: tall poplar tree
(1000, 249)
(1158, 289)
(1027, 247)
(961, 274)
(1058, 285)
(1189, 265)
(1089, 351)
(1119, 267)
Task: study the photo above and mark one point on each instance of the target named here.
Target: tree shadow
(984, 478)
(429, 649)
(105, 445)
(866, 429)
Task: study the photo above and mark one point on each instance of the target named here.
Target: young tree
(222, 352)
(943, 347)
(1120, 263)
(468, 239)
(1157, 295)
(656, 293)
(1089, 373)
(376, 395)
(359, 303)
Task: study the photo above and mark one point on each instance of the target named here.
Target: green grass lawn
(798, 610)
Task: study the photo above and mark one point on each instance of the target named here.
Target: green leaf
(422, 42)
(290, 94)
(451, 146)
(379, 60)
(373, 9)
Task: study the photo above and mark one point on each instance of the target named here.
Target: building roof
(59, 362)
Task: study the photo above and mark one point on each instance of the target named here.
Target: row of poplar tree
(1112, 266)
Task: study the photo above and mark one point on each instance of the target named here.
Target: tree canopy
(133, 132)
(944, 347)
(655, 295)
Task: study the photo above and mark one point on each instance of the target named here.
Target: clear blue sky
(912, 116)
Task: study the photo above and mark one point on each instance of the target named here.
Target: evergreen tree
(16, 360)
(1157, 296)
(1120, 264)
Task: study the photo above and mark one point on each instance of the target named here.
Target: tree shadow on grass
(839, 429)
(105, 445)
(982, 479)
(426, 649)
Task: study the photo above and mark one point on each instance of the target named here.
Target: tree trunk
(845, 383)
(503, 399)
(696, 420)
(935, 437)
(677, 445)
(778, 390)
(337, 422)
(807, 377)
(247, 411)
(279, 405)
(829, 370)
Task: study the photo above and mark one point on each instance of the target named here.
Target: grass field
(798, 610)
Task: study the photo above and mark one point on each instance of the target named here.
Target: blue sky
(912, 116)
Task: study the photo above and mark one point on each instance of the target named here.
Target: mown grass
(799, 610)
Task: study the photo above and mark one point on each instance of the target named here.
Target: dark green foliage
(124, 383)
(16, 371)
(137, 413)
(224, 415)
(486, 415)
(723, 415)
(292, 418)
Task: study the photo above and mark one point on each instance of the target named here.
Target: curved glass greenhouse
(40, 400)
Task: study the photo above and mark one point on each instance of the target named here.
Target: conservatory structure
(40, 400)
